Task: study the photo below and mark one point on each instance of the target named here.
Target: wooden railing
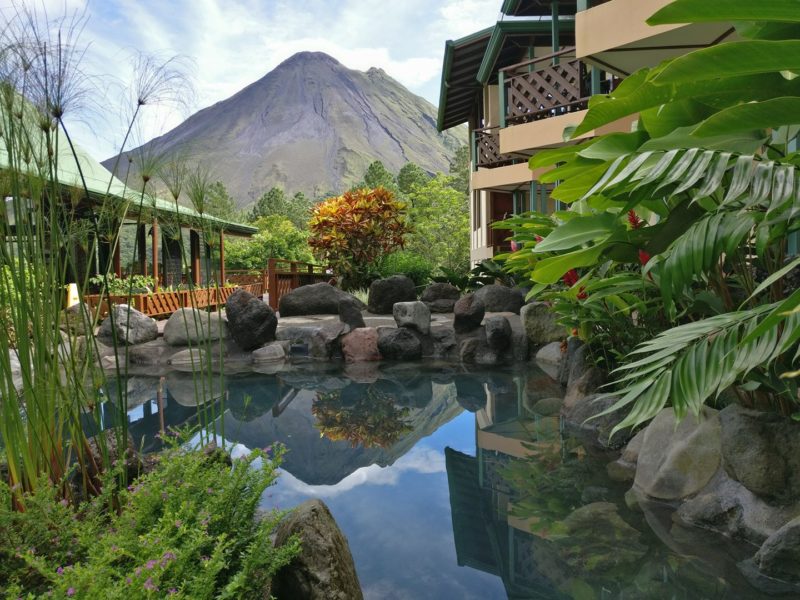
(535, 92)
(161, 304)
(487, 148)
(283, 276)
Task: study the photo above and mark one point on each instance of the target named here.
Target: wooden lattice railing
(535, 92)
(487, 147)
(285, 275)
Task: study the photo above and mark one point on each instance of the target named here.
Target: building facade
(522, 83)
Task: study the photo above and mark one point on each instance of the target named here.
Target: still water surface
(448, 485)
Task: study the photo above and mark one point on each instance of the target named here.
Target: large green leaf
(578, 232)
(753, 115)
(553, 268)
(745, 142)
(694, 11)
(733, 59)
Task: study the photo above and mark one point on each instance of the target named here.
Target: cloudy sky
(230, 43)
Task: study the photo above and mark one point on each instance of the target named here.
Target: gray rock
(129, 326)
(677, 460)
(399, 344)
(584, 377)
(631, 451)
(251, 321)
(573, 345)
(444, 341)
(76, 320)
(548, 358)
(501, 298)
(779, 555)
(324, 570)
(440, 297)
(320, 341)
(540, 324)
(621, 470)
(194, 359)
(269, 354)
(156, 352)
(547, 407)
(475, 350)
(385, 293)
(361, 345)
(414, 315)
(498, 333)
(468, 314)
(192, 326)
(580, 418)
(350, 313)
(762, 451)
(314, 299)
(727, 507)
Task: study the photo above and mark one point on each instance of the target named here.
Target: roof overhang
(537, 8)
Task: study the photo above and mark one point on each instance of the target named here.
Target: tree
(411, 176)
(275, 202)
(459, 169)
(439, 216)
(277, 238)
(220, 204)
(699, 201)
(352, 232)
(378, 176)
(298, 210)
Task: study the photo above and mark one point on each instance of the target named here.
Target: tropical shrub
(407, 263)
(710, 174)
(188, 529)
(119, 286)
(354, 231)
(277, 237)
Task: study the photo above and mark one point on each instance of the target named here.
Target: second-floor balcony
(487, 149)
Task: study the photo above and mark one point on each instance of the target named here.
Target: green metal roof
(103, 186)
(537, 8)
(459, 87)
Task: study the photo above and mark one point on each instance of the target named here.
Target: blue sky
(231, 43)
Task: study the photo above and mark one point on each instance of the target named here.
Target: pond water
(448, 485)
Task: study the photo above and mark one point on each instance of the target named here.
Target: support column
(141, 247)
(155, 233)
(501, 89)
(555, 29)
(194, 249)
(221, 258)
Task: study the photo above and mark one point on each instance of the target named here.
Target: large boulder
(468, 314)
(540, 325)
(779, 555)
(501, 298)
(498, 333)
(271, 353)
(549, 357)
(314, 299)
(762, 451)
(128, 326)
(192, 326)
(677, 460)
(583, 376)
(399, 344)
(414, 315)
(361, 345)
(385, 293)
(76, 320)
(324, 569)
(583, 419)
(350, 312)
(319, 341)
(251, 321)
(440, 297)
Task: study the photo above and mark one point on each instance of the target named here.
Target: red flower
(515, 246)
(634, 220)
(582, 295)
(539, 238)
(570, 277)
(644, 257)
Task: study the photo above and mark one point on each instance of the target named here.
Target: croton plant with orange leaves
(352, 232)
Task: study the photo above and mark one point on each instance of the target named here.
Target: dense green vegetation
(673, 259)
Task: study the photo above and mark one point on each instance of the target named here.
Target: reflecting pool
(447, 484)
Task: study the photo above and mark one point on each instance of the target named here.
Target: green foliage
(378, 175)
(120, 286)
(188, 529)
(275, 202)
(277, 237)
(439, 216)
(459, 170)
(354, 231)
(693, 210)
(220, 204)
(411, 176)
(407, 263)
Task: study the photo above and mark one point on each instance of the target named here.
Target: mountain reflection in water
(446, 483)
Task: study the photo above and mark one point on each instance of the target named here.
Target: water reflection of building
(487, 537)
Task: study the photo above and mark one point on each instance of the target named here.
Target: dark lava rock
(314, 299)
(501, 298)
(779, 555)
(350, 313)
(129, 326)
(399, 344)
(498, 333)
(251, 321)
(383, 293)
(440, 297)
(468, 313)
(324, 569)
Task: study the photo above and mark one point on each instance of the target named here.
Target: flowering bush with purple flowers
(188, 529)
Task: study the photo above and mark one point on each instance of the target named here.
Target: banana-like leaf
(752, 115)
(550, 270)
(692, 11)
(580, 231)
(733, 59)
